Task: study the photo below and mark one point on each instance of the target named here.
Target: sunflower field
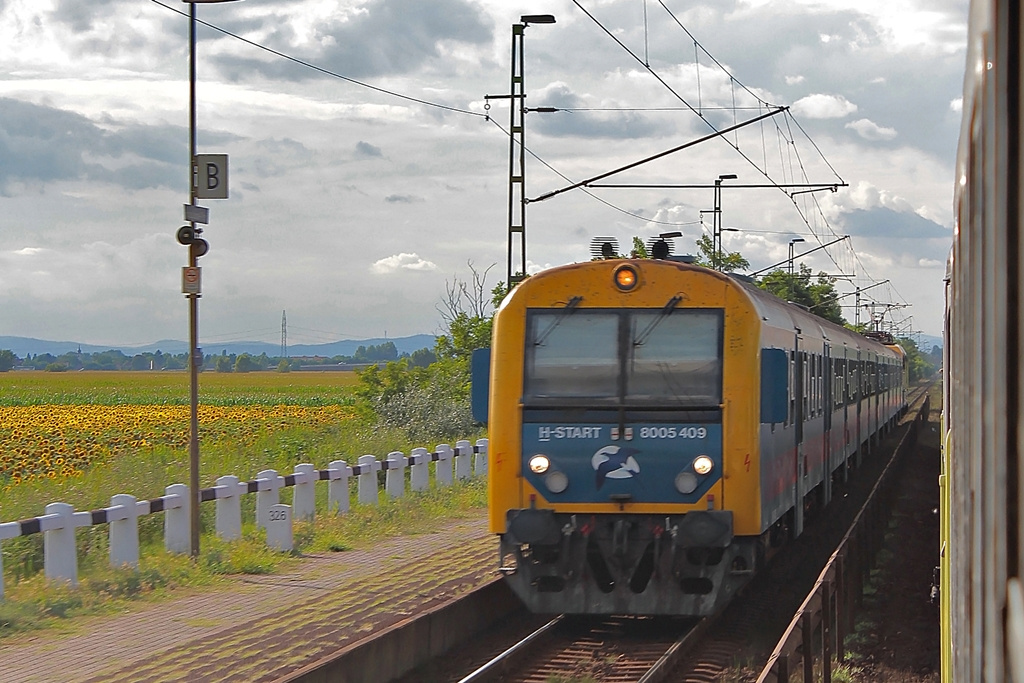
(51, 441)
(59, 426)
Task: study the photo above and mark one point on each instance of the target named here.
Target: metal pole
(791, 258)
(522, 150)
(193, 301)
(856, 303)
(716, 229)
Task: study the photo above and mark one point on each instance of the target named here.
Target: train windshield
(632, 357)
(675, 358)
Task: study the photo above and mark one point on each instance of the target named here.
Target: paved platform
(261, 627)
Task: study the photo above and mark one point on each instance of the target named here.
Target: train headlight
(686, 482)
(703, 465)
(539, 464)
(556, 481)
(626, 278)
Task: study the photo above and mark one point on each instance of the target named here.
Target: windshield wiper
(569, 308)
(665, 312)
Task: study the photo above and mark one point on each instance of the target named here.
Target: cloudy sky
(359, 194)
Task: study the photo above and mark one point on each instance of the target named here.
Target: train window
(814, 384)
(675, 359)
(572, 355)
(644, 357)
(804, 373)
(792, 387)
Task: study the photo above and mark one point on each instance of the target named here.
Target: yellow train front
(655, 427)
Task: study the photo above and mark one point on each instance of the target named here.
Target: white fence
(58, 524)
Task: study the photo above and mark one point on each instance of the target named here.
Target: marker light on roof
(626, 278)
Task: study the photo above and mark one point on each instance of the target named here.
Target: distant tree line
(224, 362)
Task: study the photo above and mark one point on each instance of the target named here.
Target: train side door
(800, 396)
(857, 397)
(827, 402)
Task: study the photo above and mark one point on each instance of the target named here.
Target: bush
(429, 412)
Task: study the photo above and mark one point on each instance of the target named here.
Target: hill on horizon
(22, 346)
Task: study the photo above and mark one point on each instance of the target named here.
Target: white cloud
(325, 172)
(869, 130)
(820, 106)
(401, 261)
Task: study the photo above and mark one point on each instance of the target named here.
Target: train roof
(772, 310)
(790, 316)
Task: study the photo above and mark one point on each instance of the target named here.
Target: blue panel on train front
(644, 467)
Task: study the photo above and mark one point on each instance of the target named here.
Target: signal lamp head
(198, 248)
(186, 235)
(703, 465)
(539, 464)
(626, 278)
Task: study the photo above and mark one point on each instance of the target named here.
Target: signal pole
(517, 147)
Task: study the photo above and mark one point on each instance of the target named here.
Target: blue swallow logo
(614, 462)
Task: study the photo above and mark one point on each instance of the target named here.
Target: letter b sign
(212, 176)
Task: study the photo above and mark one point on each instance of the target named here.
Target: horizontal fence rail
(59, 521)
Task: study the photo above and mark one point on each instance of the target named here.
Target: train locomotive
(657, 428)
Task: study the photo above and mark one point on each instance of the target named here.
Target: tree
(729, 261)
(919, 365)
(284, 366)
(421, 358)
(223, 364)
(7, 360)
(819, 297)
(245, 363)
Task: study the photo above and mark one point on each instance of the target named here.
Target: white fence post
(279, 527)
(368, 468)
(443, 470)
(229, 508)
(394, 478)
(480, 462)
(267, 495)
(304, 497)
(177, 529)
(463, 460)
(60, 557)
(419, 473)
(123, 527)
(337, 486)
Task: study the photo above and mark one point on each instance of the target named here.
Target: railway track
(613, 649)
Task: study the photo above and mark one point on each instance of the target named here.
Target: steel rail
(502, 660)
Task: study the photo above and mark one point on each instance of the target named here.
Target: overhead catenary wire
(328, 72)
(591, 194)
(794, 161)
